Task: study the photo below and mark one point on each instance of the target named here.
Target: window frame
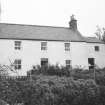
(17, 64)
(45, 62)
(68, 63)
(91, 63)
(17, 45)
(67, 46)
(97, 48)
(43, 46)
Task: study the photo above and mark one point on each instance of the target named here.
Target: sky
(89, 13)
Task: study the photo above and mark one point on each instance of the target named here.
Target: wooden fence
(14, 77)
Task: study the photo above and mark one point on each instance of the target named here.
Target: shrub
(2, 102)
(56, 85)
(50, 70)
(97, 74)
(45, 90)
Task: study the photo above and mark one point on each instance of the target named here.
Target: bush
(45, 90)
(98, 74)
(50, 70)
(59, 87)
(2, 102)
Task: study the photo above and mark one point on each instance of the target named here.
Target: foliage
(52, 90)
(100, 33)
(2, 102)
(74, 73)
(6, 70)
(55, 88)
(50, 70)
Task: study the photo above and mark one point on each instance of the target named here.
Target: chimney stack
(73, 23)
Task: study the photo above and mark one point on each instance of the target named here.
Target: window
(17, 64)
(43, 45)
(67, 46)
(44, 62)
(96, 48)
(68, 63)
(17, 45)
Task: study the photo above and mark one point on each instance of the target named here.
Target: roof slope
(38, 32)
(35, 32)
(92, 40)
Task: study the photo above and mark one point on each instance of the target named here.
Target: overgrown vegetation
(56, 86)
(97, 74)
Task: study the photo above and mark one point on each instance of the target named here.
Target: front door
(44, 62)
(91, 63)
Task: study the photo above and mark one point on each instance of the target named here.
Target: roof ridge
(91, 37)
(34, 25)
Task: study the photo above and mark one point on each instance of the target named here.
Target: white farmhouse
(24, 46)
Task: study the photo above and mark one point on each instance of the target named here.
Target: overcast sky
(89, 13)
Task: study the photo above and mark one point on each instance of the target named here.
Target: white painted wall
(81, 51)
(79, 55)
(98, 55)
(31, 53)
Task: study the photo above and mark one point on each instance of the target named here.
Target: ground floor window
(17, 64)
(68, 63)
(91, 63)
(44, 62)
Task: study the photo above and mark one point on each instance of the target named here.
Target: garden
(55, 86)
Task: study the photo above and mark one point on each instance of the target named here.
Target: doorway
(91, 63)
(44, 62)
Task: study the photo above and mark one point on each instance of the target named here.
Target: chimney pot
(73, 23)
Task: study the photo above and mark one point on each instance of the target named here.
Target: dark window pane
(43, 48)
(96, 48)
(44, 61)
(17, 45)
(68, 63)
(19, 61)
(17, 64)
(43, 45)
(91, 62)
(67, 46)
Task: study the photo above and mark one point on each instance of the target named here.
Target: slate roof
(36, 32)
(93, 40)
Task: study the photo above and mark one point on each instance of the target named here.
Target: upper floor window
(43, 45)
(68, 63)
(96, 48)
(17, 64)
(17, 45)
(67, 46)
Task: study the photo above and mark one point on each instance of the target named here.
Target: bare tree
(100, 33)
(6, 70)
